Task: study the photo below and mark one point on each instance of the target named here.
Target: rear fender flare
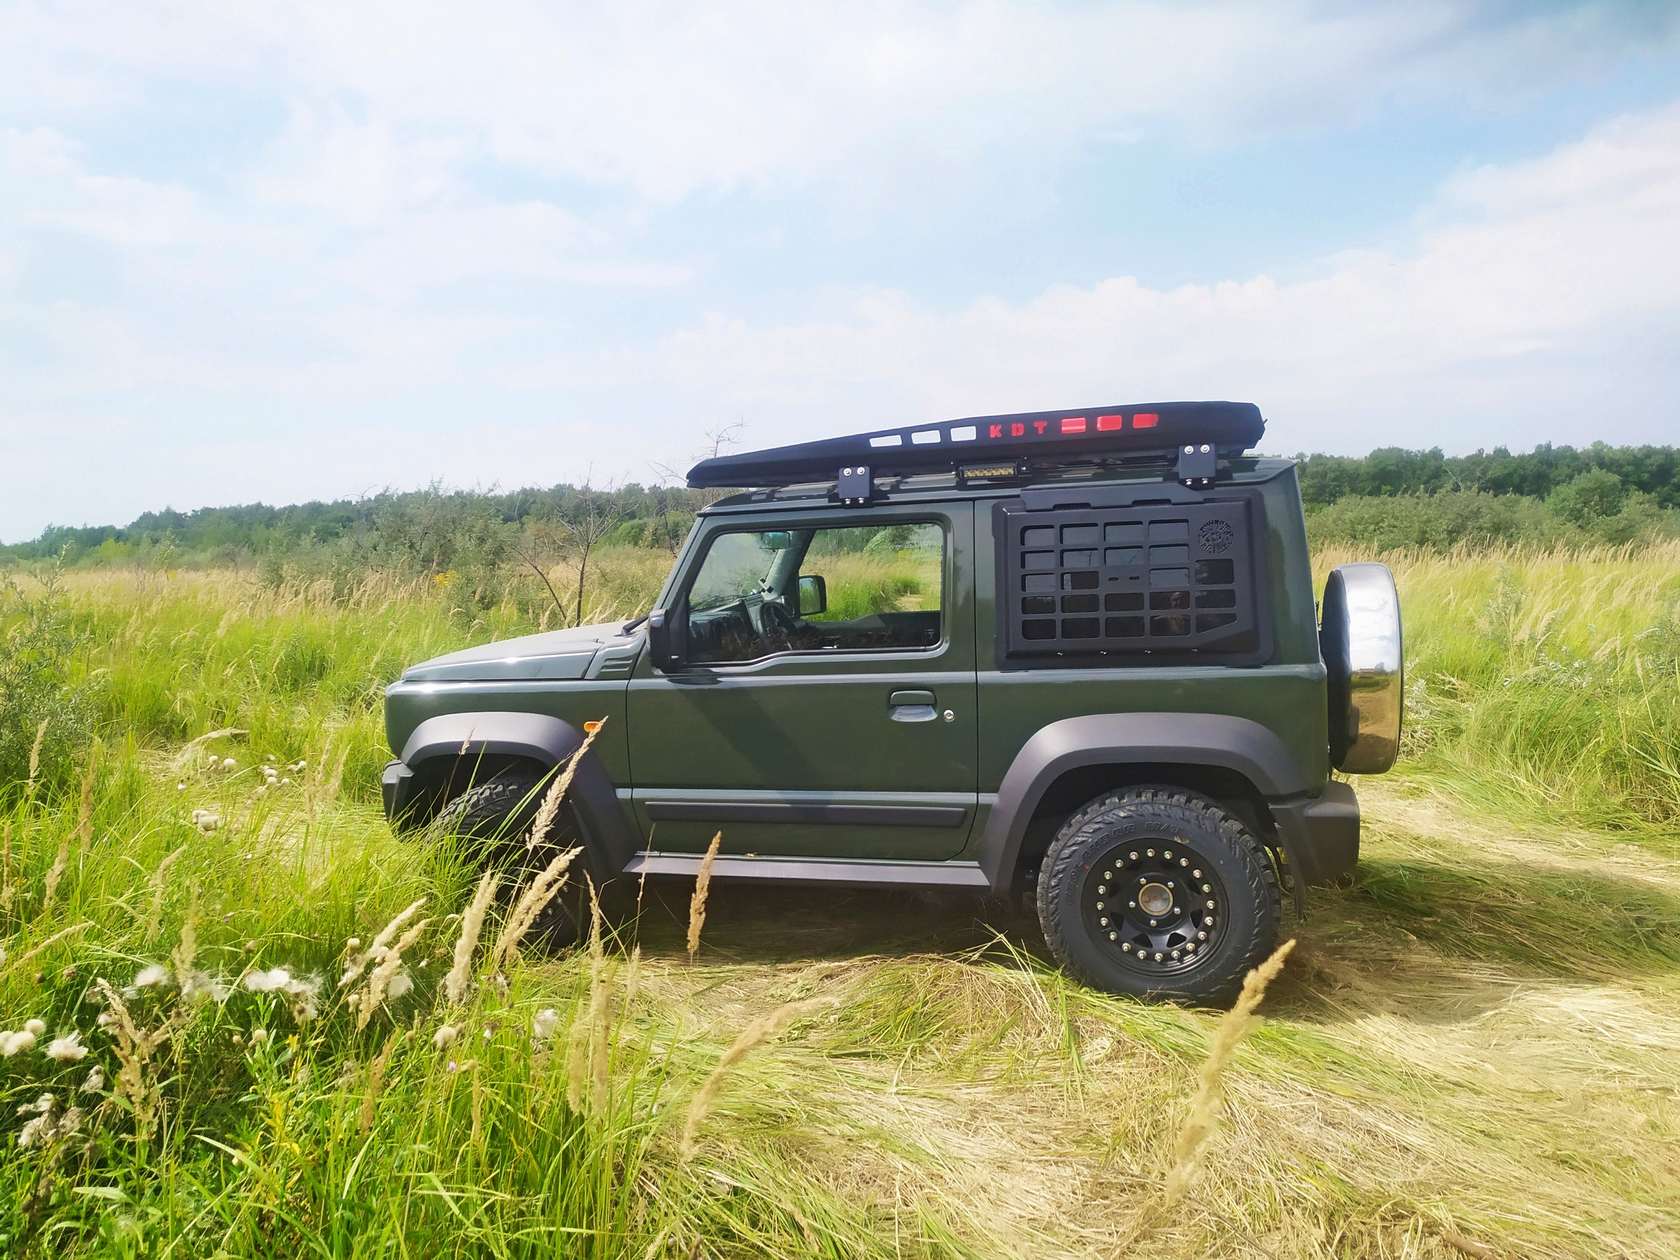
(549, 742)
(1192, 739)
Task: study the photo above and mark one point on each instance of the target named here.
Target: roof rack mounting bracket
(855, 485)
(1198, 465)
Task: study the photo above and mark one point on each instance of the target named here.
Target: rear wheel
(498, 814)
(1158, 892)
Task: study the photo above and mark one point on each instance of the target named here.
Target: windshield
(736, 567)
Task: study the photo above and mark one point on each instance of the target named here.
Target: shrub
(39, 644)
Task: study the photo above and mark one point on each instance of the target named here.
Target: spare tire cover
(1360, 639)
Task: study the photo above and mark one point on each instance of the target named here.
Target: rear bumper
(1320, 834)
(397, 790)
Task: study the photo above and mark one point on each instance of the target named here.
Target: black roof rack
(1194, 434)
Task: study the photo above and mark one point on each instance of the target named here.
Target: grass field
(1470, 1053)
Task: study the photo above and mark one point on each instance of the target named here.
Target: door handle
(911, 706)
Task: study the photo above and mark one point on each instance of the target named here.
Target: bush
(39, 644)
(1438, 521)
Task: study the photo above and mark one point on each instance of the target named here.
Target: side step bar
(795, 870)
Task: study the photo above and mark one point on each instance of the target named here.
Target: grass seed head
(702, 888)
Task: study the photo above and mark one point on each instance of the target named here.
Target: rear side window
(1144, 579)
(842, 588)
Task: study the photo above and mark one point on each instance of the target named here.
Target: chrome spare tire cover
(1360, 638)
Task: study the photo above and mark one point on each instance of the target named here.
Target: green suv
(1071, 656)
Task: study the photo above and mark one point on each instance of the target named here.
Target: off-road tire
(1122, 836)
(500, 812)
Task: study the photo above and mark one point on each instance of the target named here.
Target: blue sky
(328, 249)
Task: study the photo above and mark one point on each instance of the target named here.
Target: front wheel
(497, 815)
(1159, 892)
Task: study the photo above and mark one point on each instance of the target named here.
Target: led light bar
(1041, 437)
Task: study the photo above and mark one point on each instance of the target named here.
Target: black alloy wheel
(1159, 892)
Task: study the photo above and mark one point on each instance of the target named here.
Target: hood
(558, 654)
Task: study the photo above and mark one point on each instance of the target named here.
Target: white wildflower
(270, 981)
(106, 1019)
(95, 1082)
(285, 783)
(259, 1036)
(445, 1036)
(544, 1023)
(181, 786)
(398, 985)
(35, 1027)
(15, 1042)
(151, 974)
(197, 985)
(67, 1049)
(228, 763)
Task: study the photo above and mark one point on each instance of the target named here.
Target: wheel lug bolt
(1175, 910)
(1134, 855)
(1175, 953)
(1108, 874)
(1167, 853)
(1114, 936)
(1126, 948)
(1157, 955)
(1190, 947)
(1131, 905)
(1152, 923)
(1169, 883)
(1100, 906)
(1101, 889)
(1195, 874)
(1201, 936)
(1210, 905)
(1208, 921)
(1150, 852)
(1103, 920)
(1184, 861)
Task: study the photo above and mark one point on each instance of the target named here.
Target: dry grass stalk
(752, 1036)
(160, 885)
(52, 940)
(185, 954)
(6, 891)
(456, 983)
(581, 1037)
(600, 1022)
(55, 872)
(186, 755)
(84, 811)
(375, 951)
(35, 760)
(556, 793)
(379, 979)
(134, 1049)
(531, 903)
(697, 903)
(1204, 1106)
(376, 1079)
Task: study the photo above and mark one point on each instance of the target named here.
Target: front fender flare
(1193, 739)
(548, 741)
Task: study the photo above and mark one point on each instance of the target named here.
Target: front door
(827, 702)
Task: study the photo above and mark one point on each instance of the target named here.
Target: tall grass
(1545, 682)
(1472, 1048)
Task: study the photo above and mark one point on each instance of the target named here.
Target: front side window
(845, 588)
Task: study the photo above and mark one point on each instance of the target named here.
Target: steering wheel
(774, 618)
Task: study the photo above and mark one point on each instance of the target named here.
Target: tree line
(1391, 497)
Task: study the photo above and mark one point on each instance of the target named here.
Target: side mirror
(665, 640)
(813, 595)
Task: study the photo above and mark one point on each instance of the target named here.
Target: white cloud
(1556, 295)
(667, 100)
